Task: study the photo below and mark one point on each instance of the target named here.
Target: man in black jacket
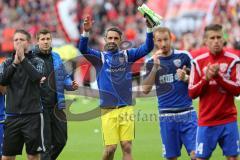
(22, 75)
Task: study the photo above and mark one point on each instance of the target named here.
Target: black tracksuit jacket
(23, 84)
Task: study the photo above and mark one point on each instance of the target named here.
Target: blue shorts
(226, 135)
(178, 129)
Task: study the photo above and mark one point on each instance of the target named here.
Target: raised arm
(151, 70)
(136, 53)
(83, 44)
(144, 49)
(149, 79)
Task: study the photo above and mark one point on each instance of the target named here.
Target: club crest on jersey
(223, 67)
(121, 60)
(177, 62)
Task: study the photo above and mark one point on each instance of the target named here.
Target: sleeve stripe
(183, 52)
(232, 65)
(236, 84)
(238, 72)
(191, 80)
(191, 86)
(195, 64)
(126, 55)
(102, 57)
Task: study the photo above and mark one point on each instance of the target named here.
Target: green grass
(85, 137)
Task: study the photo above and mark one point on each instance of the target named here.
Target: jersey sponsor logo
(111, 70)
(167, 78)
(177, 62)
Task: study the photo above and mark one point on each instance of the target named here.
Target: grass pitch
(85, 137)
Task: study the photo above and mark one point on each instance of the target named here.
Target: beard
(111, 46)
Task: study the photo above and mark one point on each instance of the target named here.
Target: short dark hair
(22, 31)
(212, 27)
(115, 29)
(42, 31)
(162, 29)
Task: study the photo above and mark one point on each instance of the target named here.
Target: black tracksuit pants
(55, 132)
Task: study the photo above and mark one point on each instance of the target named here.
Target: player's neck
(216, 53)
(166, 54)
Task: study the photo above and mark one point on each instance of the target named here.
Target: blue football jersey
(114, 79)
(171, 92)
(113, 70)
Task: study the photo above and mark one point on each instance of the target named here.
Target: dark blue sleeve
(188, 60)
(189, 63)
(137, 53)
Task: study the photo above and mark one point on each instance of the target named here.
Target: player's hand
(149, 25)
(212, 71)
(215, 68)
(20, 52)
(3, 89)
(74, 85)
(209, 73)
(16, 60)
(42, 80)
(156, 59)
(87, 23)
(182, 73)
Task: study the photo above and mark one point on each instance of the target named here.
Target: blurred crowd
(225, 12)
(35, 14)
(107, 13)
(28, 14)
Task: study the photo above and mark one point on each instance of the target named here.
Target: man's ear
(29, 42)
(204, 40)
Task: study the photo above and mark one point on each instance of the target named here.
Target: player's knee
(8, 157)
(192, 155)
(110, 149)
(33, 157)
(232, 158)
(127, 147)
